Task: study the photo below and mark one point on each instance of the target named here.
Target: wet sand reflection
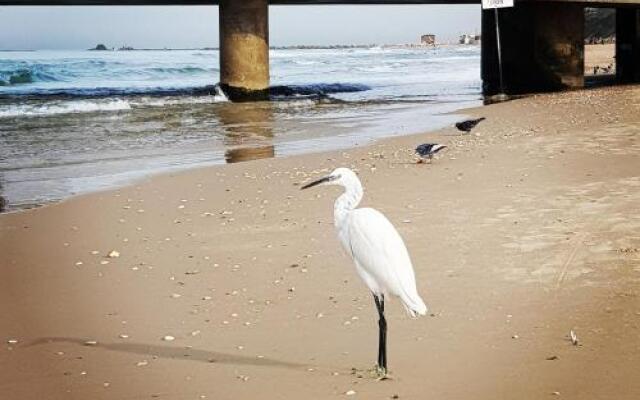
(248, 131)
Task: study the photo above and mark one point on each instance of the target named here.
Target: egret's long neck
(347, 201)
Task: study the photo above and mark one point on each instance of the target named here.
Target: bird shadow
(173, 353)
(409, 163)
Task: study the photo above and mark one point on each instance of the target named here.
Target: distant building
(469, 39)
(428, 40)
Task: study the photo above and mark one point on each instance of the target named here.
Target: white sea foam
(172, 101)
(101, 105)
(63, 107)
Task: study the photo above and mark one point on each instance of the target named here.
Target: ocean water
(78, 121)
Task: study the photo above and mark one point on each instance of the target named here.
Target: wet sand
(520, 232)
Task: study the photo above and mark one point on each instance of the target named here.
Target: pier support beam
(542, 48)
(628, 44)
(244, 49)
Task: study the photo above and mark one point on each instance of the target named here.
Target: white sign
(496, 3)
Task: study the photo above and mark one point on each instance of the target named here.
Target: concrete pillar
(244, 49)
(542, 48)
(628, 44)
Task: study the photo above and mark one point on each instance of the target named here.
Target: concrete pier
(244, 49)
(542, 48)
(628, 45)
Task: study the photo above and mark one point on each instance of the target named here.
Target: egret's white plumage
(381, 258)
(379, 253)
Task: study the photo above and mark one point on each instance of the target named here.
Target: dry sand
(521, 232)
(601, 56)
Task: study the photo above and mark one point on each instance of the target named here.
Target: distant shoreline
(294, 47)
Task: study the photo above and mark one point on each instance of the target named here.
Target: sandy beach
(520, 232)
(600, 58)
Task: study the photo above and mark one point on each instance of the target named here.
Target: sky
(197, 26)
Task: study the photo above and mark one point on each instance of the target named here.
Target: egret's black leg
(384, 335)
(378, 305)
(382, 338)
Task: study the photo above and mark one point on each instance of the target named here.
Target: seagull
(428, 150)
(379, 253)
(468, 125)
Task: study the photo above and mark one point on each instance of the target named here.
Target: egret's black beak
(327, 178)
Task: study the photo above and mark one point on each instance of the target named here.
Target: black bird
(468, 125)
(427, 150)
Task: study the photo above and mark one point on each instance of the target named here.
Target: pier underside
(542, 48)
(589, 3)
(628, 45)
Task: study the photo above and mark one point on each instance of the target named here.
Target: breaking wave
(68, 107)
(316, 90)
(39, 108)
(23, 76)
(97, 92)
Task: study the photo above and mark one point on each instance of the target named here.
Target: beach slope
(229, 283)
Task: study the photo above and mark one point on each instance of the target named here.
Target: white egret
(381, 257)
